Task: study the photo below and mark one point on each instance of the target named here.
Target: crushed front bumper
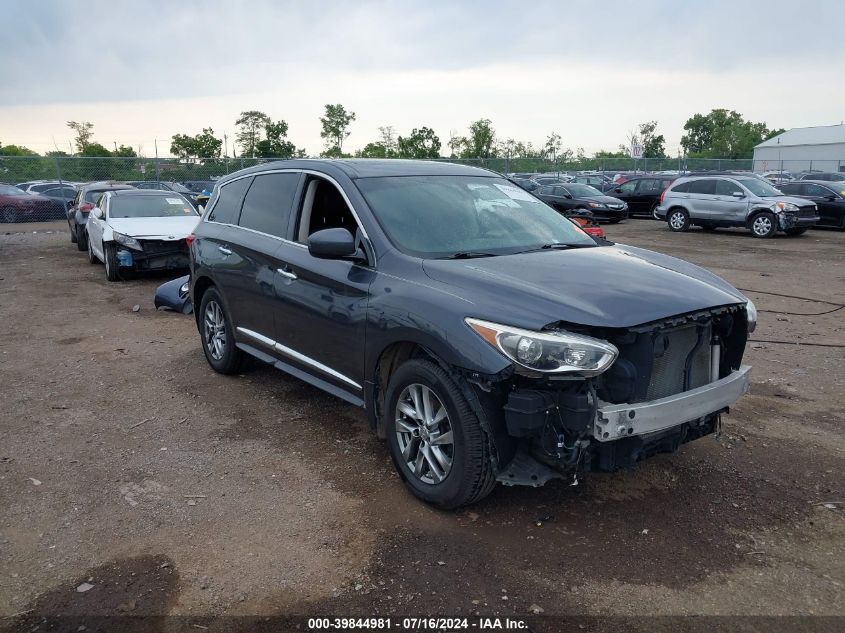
(616, 421)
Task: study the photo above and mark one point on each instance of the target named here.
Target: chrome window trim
(292, 353)
(285, 170)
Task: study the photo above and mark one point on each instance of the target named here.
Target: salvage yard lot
(122, 452)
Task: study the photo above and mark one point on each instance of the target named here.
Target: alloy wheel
(214, 329)
(424, 434)
(762, 225)
(677, 220)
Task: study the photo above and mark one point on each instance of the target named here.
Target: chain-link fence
(50, 182)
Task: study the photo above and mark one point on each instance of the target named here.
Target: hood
(176, 227)
(801, 202)
(606, 286)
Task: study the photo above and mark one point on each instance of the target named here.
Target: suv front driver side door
(322, 309)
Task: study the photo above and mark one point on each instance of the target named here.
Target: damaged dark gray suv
(486, 336)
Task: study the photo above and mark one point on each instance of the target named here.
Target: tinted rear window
(268, 203)
(706, 187)
(228, 205)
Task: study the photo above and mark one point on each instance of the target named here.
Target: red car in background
(18, 206)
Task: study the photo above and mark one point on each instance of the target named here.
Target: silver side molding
(292, 353)
(615, 421)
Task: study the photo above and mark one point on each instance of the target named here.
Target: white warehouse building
(819, 148)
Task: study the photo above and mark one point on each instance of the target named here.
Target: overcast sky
(591, 71)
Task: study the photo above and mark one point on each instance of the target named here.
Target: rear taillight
(663, 194)
(190, 239)
(86, 207)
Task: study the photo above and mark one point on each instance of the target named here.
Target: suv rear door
(248, 269)
(701, 194)
(728, 207)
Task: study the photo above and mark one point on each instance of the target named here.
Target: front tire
(678, 220)
(435, 439)
(110, 260)
(217, 335)
(764, 225)
(9, 215)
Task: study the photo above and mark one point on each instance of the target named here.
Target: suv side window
(323, 207)
(268, 203)
(229, 200)
(706, 186)
(629, 187)
(681, 188)
(727, 188)
(649, 186)
(793, 188)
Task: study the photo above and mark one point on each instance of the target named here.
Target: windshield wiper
(469, 255)
(557, 246)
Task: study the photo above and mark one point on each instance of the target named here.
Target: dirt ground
(127, 464)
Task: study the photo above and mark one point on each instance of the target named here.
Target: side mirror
(618, 190)
(738, 194)
(331, 244)
(97, 213)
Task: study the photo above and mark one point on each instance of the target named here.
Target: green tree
(95, 149)
(481, 141)
(84, 131)
(553, 145)
(335, 128)
(421, 143)
(723, 134)
(182, 146)
(654, 145)
(373, 150)
(124, 152)
(387, 139)
(16, 150)
(276, 145)
(204, 146)
(250, 125)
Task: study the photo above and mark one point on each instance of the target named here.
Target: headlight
(596, 205)
(548, 352)
(751, 315)
(129, 242)
(786, 206)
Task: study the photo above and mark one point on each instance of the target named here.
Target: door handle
(286, 273)
(224, 250)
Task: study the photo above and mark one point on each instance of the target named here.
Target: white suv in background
(730, 201)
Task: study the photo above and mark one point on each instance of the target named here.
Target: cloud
(591, 70)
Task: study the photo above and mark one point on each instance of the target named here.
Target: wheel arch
(200, 286)
(754, 213)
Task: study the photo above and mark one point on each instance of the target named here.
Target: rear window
(150, 207)
(93, 195)
(228, 206)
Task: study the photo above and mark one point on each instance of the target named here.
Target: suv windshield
(758, 187)
(441, 216)
(150, 207)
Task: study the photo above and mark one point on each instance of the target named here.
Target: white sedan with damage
(136, 230)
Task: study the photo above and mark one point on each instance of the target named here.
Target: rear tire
(218, 335)
(9, 215)
(795, 232)
(421, 442)
(764, 225)
(110, 260)
(81, 238)
(678, 220)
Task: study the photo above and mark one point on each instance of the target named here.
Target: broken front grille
(164, 247)
(683, 365)
(658, 362)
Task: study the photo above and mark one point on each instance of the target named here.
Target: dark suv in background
(642, 195)
(487, 338)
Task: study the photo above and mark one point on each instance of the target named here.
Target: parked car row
(131, 229)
